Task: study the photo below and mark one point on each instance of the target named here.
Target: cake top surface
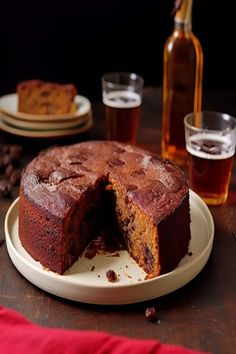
(46, 85)
(58, 177)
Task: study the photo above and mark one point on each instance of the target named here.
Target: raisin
(148, 258)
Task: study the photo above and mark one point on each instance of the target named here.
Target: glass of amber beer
(122, 98)
(210, 140)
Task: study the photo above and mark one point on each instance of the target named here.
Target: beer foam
(210, 146)
(122, 99)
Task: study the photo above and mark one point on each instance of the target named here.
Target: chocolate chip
(150, 314)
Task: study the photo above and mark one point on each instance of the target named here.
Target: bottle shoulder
(181, 40)
(183, 35)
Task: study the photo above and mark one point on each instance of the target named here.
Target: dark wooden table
(200, 315)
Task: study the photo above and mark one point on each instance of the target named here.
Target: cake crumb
(127, 275)
(92, 269)
(111, 276)
(190, 253)
(151, 314)
(116, 254)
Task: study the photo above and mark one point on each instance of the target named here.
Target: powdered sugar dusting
(50, 188)
(145, 161)
(129, 148)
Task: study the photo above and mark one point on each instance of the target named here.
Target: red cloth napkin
(19, 336)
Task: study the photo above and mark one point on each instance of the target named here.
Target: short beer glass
(210, 140)
(122, 98)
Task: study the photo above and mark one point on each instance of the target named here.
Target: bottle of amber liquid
(182, 82)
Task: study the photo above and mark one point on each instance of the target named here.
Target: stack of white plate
(44, 126)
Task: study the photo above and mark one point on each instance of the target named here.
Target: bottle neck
(183, 16)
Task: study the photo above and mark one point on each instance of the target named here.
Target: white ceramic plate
(9, 107)
(83, 126)
(82, 283)
(36, 125)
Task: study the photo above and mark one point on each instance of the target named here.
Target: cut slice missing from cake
(68, 194)
(43, 98)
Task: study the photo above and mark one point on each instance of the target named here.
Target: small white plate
(36, 125)
(86, 280)
(82, 127)
(9, 106)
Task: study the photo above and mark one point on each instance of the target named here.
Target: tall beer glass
(210, 140)
(122, 98)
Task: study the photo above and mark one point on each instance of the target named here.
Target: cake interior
(138, 231)
(43, 98)
(108, 212)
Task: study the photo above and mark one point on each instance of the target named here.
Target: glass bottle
(182, 82)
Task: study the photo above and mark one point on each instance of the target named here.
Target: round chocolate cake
(68, 194)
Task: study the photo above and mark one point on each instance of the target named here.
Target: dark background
(77, 41)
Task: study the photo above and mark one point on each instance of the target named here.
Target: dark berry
(151, 314)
